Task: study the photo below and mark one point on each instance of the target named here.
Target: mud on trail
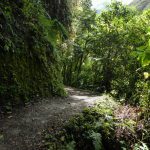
(23, 130)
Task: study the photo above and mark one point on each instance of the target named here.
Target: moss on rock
(29, 65)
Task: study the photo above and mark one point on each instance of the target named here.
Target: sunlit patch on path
(22, 131)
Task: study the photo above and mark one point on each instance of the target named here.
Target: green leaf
(97, 140)
(146, 59)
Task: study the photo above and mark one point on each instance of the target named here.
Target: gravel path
(23, 130)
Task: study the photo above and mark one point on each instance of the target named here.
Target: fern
(70, 146)
(97, 140)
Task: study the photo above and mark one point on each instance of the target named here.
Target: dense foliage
(103, 52)
(110, 52)
(107, 52)
(59, 10)
(29, 63)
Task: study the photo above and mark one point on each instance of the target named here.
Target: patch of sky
(101, 4)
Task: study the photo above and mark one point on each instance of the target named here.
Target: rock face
(29, 63)
(141, 4)
(58, 9)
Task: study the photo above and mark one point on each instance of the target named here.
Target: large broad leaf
(146, 58)
(53, 30)
(143, 54)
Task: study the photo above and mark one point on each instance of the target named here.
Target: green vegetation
(110, 53)
(48, 44)
(88, 130)
(29, 62)
(101, 128)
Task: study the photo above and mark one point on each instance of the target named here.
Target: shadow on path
(23, 130)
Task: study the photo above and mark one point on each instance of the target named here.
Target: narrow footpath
(23, 130)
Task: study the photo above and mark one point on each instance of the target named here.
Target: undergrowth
(106, 126)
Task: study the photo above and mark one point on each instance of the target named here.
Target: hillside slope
(28, 58)
(141, 4)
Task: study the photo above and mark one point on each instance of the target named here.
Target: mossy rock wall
(59, 9)
(29, 66)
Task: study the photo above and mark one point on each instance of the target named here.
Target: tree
(83, 21)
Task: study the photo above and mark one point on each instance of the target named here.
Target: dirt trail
(22, 130)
